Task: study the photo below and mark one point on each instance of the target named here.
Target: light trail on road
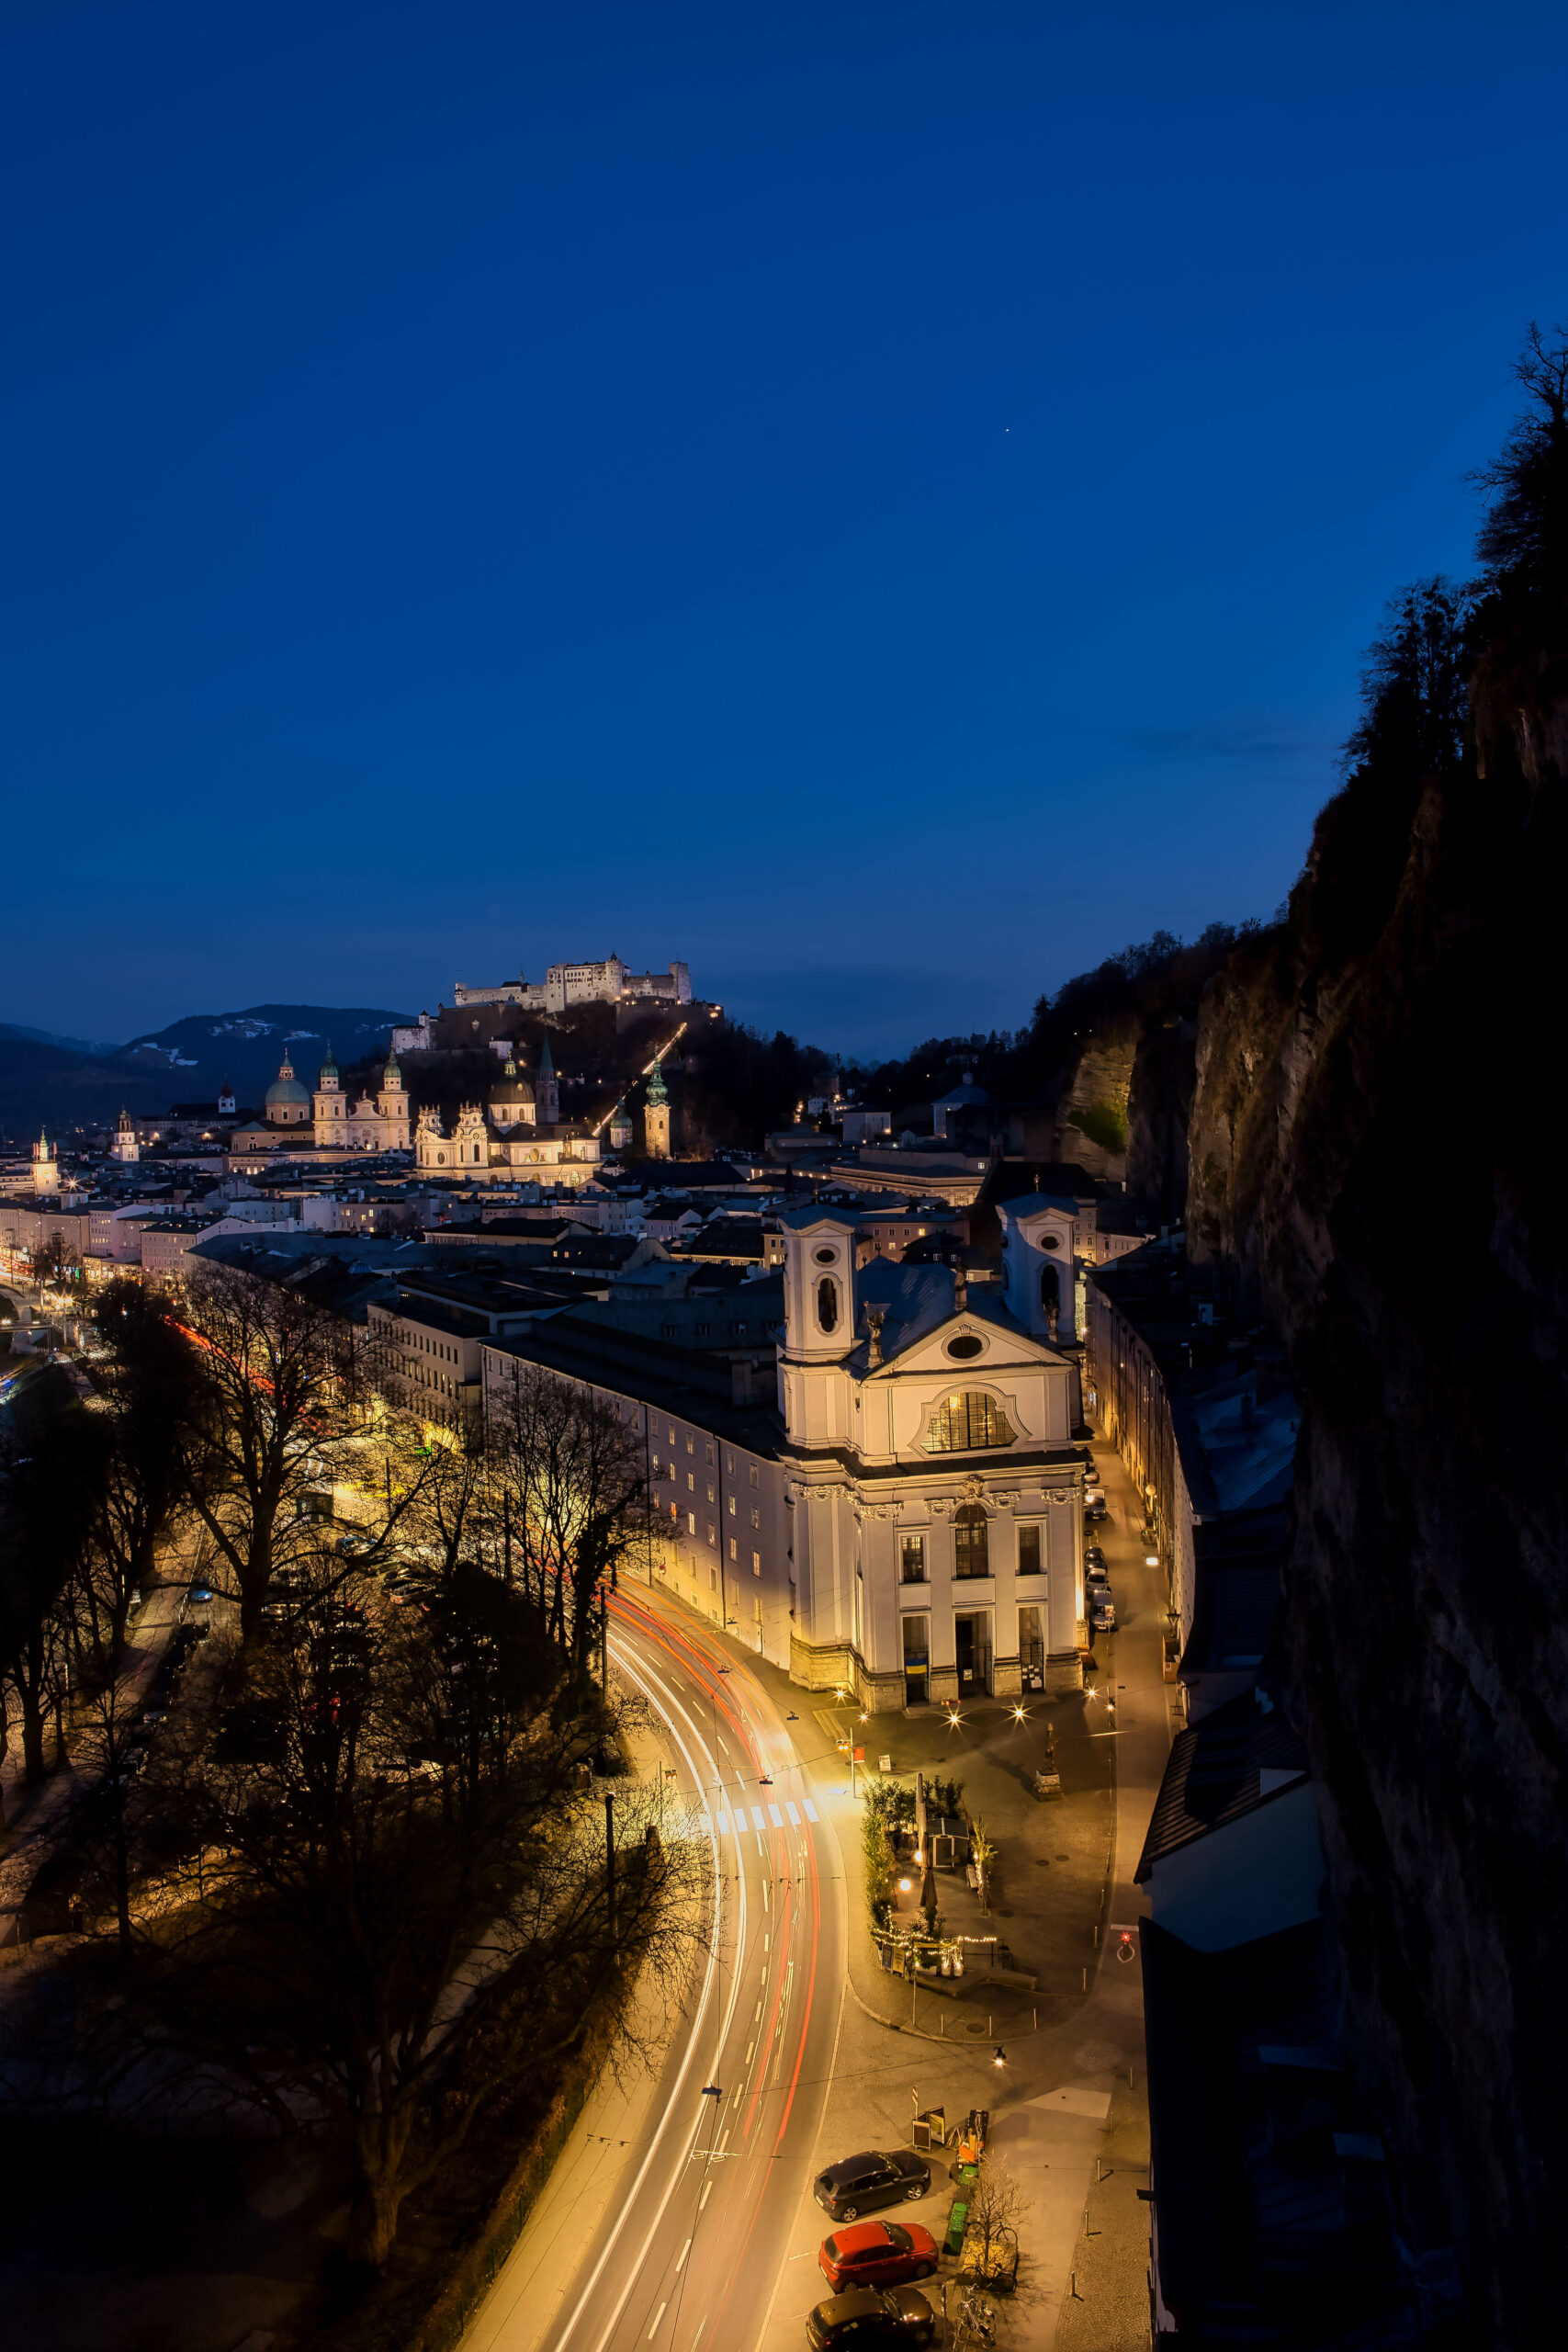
(690, 2259)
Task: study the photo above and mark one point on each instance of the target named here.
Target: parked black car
(871, 2321)
(876, 2177)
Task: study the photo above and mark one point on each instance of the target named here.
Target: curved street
(667, 2217)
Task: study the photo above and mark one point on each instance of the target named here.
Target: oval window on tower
(827, 1257)
(827, 1304)
(1050, 1241)
(966, 1345)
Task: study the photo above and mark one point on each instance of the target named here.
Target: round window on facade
(827, 1257)
(966, 1345)
(1050, 1241)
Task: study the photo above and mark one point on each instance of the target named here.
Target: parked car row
(871, 2266)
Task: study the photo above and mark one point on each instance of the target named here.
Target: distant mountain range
(65, 1082)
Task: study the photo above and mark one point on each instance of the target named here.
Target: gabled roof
(918, 1301)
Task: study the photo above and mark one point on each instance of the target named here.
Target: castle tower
(46, 1167)
(125, 1147)
(656, 1118)
(546, 1091)
(331, 1107)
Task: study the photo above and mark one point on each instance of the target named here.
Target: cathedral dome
(512, 1087)
(285, 1092)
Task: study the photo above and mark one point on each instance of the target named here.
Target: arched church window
(966, 1424)
(971, 1556)
(828, 1303)
(1050, 1288)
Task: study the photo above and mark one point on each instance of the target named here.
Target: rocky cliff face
(1413, 1256)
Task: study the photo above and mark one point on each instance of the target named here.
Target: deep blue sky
(884, 502)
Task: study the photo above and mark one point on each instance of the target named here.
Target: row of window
(971, 1549)
(713, 1537)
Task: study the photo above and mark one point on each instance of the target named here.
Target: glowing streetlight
(1020, 1714)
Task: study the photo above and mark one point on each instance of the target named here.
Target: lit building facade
(935, 1487)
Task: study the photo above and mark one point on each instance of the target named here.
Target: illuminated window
(734, 1549)
(753, 1473)
(691, 1522)
(756, 1563)
(713, 1537)
(967, 1423)
(732, 1506)
(912, 1559)
(970, 1555)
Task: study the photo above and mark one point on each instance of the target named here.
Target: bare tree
(44, 1512)
(574, 1475)
(413, 1902)
(274, 1410)
(991, 2236)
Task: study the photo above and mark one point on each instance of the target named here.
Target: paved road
(668, 2217)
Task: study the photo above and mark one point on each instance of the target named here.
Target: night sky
(885, 503)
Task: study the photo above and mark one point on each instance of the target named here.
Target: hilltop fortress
(564, 984)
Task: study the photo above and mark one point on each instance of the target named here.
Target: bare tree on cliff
(1523, 543)
(575, 1478)
(413, 1913)
(274, 1411)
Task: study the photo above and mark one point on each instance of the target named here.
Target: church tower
(655, 1117)
(393, 1106)
(46, 1167)
(546, 1091)
(471, 1138)
(226, 1100)
(125, 1147)
(330, 1105)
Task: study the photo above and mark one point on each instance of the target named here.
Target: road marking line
(756, 2013)
(811, 1813)
(685, 2250)
(724, 2142)
(723, 1823)
(794, 1812)
(657, 2315)
(775, 1816)
(747, 2059)
(707, 2192)
(757, 1817)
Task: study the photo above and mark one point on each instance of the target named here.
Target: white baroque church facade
(518, 1133)
(934, 1489)
(377, 1122)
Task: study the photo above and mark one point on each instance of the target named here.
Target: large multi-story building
(935, 1486)
(608, 982)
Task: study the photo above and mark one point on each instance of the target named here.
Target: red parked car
(877, 2254)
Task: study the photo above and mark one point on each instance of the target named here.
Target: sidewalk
(1069, 2095)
